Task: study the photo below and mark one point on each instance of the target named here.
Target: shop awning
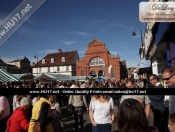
(7, 77)
(144, 66)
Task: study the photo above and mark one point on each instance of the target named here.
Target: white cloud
(48, 51)
(81, 33)
(69, 42)
(111, 25)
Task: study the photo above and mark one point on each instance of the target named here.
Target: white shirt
(101, 111)
(73, 86)
(157, 84)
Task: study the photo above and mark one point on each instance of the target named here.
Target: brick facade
(98, 49)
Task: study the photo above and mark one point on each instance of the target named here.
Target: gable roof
(15, 60)
(95, 42)
(2, 63)
(57, 59)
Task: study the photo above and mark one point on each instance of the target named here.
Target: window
(96, 61)
(67, 68)
(48, 69)
(43, 61)
(82, 73)
(39, 69)
(58, 68)
(113, 73)
(52, 60)
(63, 59)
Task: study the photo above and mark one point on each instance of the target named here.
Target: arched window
(43, 61)
(63, 59)
(52, 60)
(96, 61)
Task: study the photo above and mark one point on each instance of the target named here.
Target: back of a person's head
(25, 101)
(131, 117)
(129, 80)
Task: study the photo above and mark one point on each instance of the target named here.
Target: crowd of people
(90, 83)
(116, 113)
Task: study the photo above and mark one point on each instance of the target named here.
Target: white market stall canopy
(57, 77)
(82, 77)
(24, 76)
(7, 77)
(102, 77)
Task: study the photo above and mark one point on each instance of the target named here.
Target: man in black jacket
(157, 104)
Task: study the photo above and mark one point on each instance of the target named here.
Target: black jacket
(157, 101)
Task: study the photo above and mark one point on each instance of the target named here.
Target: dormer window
(52, 60)
(63, 59)
(43, 61)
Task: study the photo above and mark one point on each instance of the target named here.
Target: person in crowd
(41, 111)
(157, 104)
(154, 79)
(131, 117)
(19, 122)
(16, 101)
(76, 104)
(101, 113)
(4, 112)
(73, 84)
(55, 109)
(37, 86)
(171, 122)
(34, 100)
(168, 75)
(140, 83)
(130, 83)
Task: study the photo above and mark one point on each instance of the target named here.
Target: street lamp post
(36, 56)
(134, 34)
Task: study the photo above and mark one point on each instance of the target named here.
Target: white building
(57, 63)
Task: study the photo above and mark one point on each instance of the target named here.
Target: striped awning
(24, 76)
(57, 77)
(7, 77)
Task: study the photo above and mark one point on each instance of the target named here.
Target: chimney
(59, 51)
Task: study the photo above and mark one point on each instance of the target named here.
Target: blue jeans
(102, 128)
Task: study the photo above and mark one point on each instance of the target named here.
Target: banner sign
(89, 91)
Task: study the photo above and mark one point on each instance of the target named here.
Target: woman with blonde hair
(101, 112)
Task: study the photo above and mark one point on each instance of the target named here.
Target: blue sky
(72, 25)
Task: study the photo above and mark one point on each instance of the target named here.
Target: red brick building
(97, 59)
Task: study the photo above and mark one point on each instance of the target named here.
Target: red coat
(18, 121)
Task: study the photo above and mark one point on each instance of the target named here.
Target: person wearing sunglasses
(168, 75)
(157, 104)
